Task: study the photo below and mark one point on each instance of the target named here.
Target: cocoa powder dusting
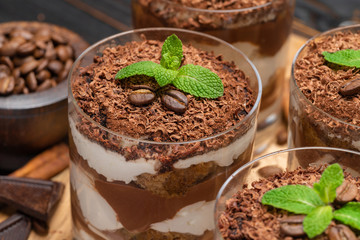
(246, 218)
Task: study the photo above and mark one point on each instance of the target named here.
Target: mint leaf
(139, 68)
(349, 214)
(199, 81)
(317, 221)
(331, 178)
(164, 76)
(298, 199)
(171, 53)
(346, 57)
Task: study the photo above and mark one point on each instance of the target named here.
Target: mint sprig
(345, 57)
(315, 202)
(193, 79)
(331, 178)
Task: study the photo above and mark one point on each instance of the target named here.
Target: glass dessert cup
(261, 33)
(308, 124)
(285, 160)
(117, 188)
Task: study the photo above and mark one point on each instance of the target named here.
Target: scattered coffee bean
(141, 97)
(346, 192)
(42, 75)
(21, 33)
(43, 35)
(9, 48)
(63, 52)
(55, 66)
(7, 61)
(28, 67)
(175, 101)
(292, 225)
(57, 38)
(350, 87)
(42, 64)
(16, 73)
(341, 232)
(18, 61)
(38, 53)
(19, 85)
(50, 52)
(5, 69)
(7, 85)
(269, 171)
(45, 85)
(31, 81)
(26, 49)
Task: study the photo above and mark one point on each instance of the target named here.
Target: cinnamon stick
(47, 164)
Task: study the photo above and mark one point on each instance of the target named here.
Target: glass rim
(240, 169)
(139, 31)
(298, 90)
(238, 10)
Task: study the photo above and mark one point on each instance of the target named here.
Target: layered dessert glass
(145, 172)
(260, 29)
(239, 213)
(320, 114)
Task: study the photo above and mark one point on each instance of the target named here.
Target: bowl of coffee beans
(35, 59)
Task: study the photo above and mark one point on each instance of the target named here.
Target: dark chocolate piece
(33, 197)
(16, 227)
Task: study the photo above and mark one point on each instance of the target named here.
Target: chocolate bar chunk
(16, 227)
(33, 197)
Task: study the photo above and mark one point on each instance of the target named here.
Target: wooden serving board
(60, 226)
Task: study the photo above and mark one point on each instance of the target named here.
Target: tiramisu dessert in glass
(274, 197)
(259, 28)
(325, 91)
(153, 135)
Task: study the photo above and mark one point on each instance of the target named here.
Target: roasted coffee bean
(28, 67)
(42, 64)
(50, 52)
(5, 69)
(45, 85)
(43, 75)
(18, 39)
(21, 33)
(350, 87)
(31, 81)
(269, 171)
(16, 73)
(19, 85)
(42, 45)
(292, 225)
(26, 90)
(55, 66)
(63, 52)
(43, 35)
(175, 101)
(141, 97)
(57, 38)
(53, 83)
(18, 61)
(7, 61)
(2, 38)
(39, 53)
(346, 192)
(136, 87)
(9, 48)
(7, 85)
(26, 49)
(341, 232)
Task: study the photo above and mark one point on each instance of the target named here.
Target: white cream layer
(114, 166)
(194, 219)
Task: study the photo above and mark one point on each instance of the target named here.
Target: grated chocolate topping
(105, 99)
(246, 217)
(320, 81)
